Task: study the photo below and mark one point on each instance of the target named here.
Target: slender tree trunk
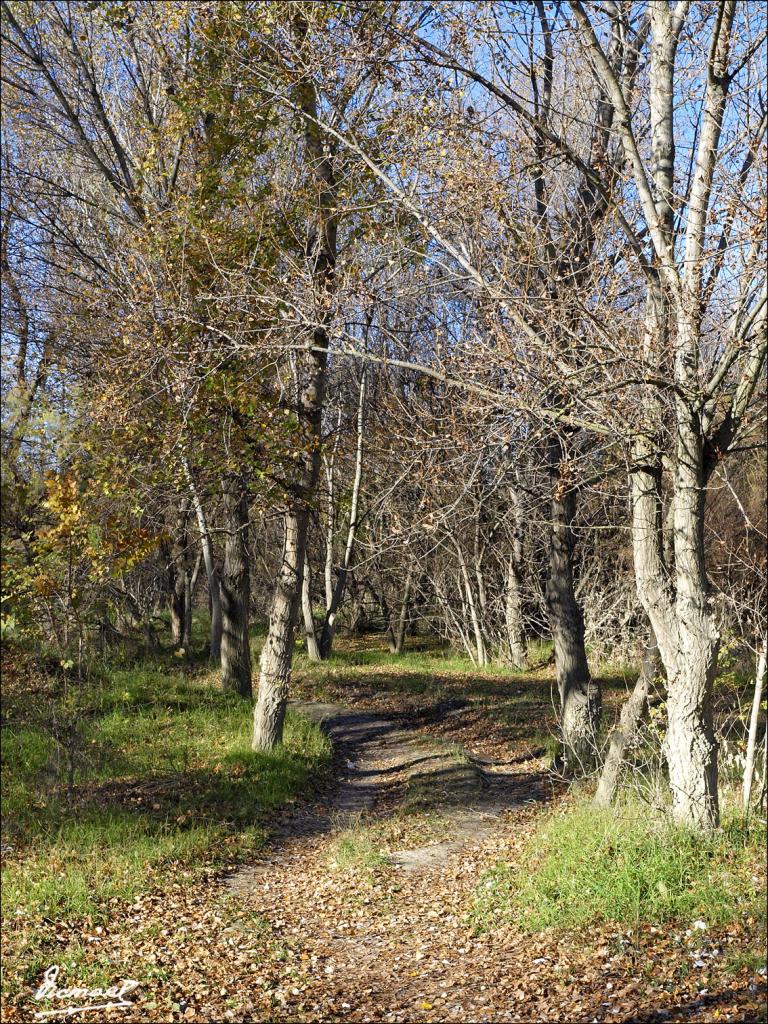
(482, 658)
(513, 612)
(625, 735)
(397, 626)
(754, 718)
(329, 624)
(479, 551)
(187, 636)
(579, 694)
(175, 554)
(330, 526)
(191, 585)
(513, 618)
(235, 591)
(177, 609)
(313, 652)
(214, 589)
(454, 620)
(277, 654)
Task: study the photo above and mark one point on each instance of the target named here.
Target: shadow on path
(371, 753)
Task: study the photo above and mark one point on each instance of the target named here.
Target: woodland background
(418, 350)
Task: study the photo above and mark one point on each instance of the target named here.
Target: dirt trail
(371, 753)
(372, 949)
(319, 931)
(312, 933)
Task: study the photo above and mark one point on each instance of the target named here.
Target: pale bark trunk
(579, 694)
(690, 745)
(682, 621)
(625, 735)
(513, 612)
(682, 618)
(313, 652)
(330, 526)
(754, 718)
(479, 551)
(482, 658)
(235, 591)
(332, 610)
(329, 535)
(453, 619)
(277, 655)
(214, 590)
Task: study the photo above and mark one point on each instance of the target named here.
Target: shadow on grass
(697, 1007)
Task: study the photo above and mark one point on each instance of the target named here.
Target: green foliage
(164, 780)
(583, 864)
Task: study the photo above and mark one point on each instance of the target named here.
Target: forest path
(389, 940)
(365, 900)
(377, 758)
(360, 908)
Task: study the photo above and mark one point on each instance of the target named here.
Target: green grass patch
(109, 790)
(583, 864)
(357, 849)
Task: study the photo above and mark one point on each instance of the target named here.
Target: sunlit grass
(164, 781)
(626, 866)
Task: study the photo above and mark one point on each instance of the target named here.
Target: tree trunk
(189, 598)
(330, 525)
(177, 608)
(214, 589)
(332, 610)
(682, 621)
(513, 619)
(187, 636)
(579, 694)
(749, 764)
(482, 658)
(690, 745)
(313, 652)
(625, 735)
(397, 627)
(513, 613)
(235, 591)
(277, 654)
(175, 554)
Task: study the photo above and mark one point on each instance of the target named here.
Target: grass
(162, 781)
(363, 668)
(623, 866)
(357, 849)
